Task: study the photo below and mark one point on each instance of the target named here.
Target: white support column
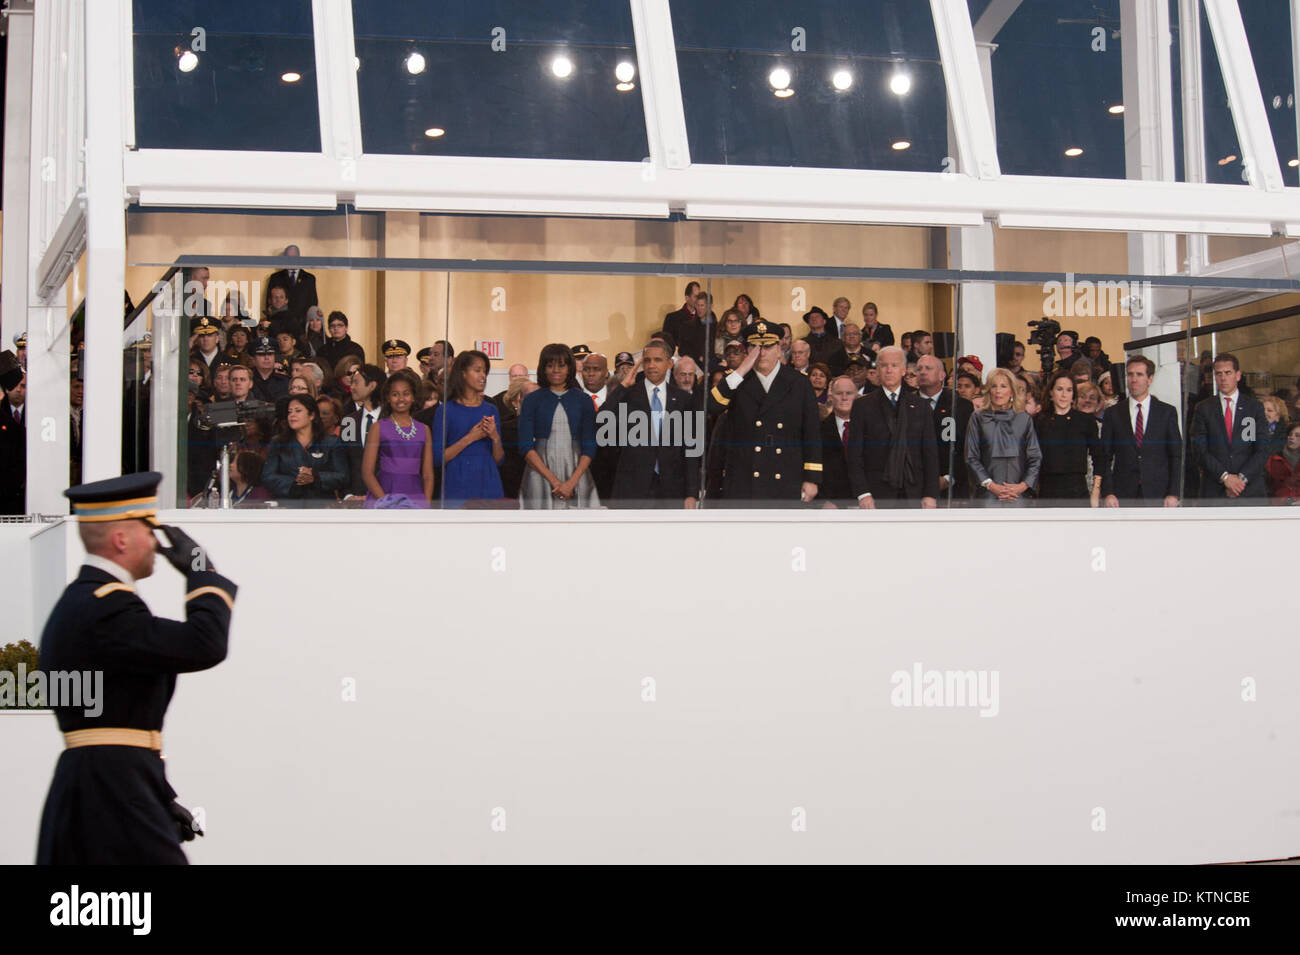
(105, 238)
(47, 322)
(17, 170)
(1189, 20)
(968, 107)
(1259, 155)
(661, 85)
(170, 335)
(1149, 156)
(336, 83)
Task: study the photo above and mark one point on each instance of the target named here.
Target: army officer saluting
(110, 802)
(771, 441)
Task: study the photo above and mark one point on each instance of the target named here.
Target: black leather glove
(185, 824)
(181, 551)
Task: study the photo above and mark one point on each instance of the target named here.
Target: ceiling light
(1227, 159)
(902, 144)
(625, 87)
(842, 79)
(779, 78)
(1116, 109)
(900, 83)
(415, 63)
(624, 72)
(1277, 102)
(290, 77)
(187, 61)
(433, 132)
(561, 66)
(1074, 151)
(356, 63)
(783, 93)
(1293, 163)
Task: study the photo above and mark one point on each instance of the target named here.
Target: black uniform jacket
(109, 804)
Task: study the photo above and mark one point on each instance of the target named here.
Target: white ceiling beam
(336, 80)
(1259, 155)
(661, 86)
(993, 19)
(968, 109)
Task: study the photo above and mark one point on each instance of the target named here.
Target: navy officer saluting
(772, 453)
(110, 802)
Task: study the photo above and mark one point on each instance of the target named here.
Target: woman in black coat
(1067, 438)
(304, 465)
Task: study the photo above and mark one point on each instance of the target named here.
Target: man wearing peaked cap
(580, 354)
(771, 440)
(396, 352)
(20, 348)
(423, 356)
(110, 802)
(268, 384)
(207, 344)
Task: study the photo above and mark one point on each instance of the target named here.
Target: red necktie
(844, 440)
(1227, 418)
(1137, 428)
(595, 403)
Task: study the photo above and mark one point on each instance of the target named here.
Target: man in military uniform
(396, 353)
(268, 384)
(770, 438)
(110, 802)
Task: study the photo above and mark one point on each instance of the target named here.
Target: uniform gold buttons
(758, 424)
(755, 474)
(777, 476)
(779, 425)
(778, 450)
(757, 449)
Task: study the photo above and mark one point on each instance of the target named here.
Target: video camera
(233, 414)
(1043, 334)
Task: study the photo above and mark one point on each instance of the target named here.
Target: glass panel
(1267, 23)
(499, 78)
(214, 75)
(829, 84)
(1057, 84)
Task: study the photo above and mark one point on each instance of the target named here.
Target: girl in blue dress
(467, 434)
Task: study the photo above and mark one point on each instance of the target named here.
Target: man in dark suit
(300, 287)
(836, 488)
(1232, 469)
(875, 336)
(13, 436)
(770, 437)
(601, 389)
(1141, 446)
(673, 320)
(951, 417)
(110, 802)
(823, 344)
(658, 458)
(893, 456)
(367, 381)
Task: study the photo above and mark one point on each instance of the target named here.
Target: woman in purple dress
(397, 466)
(467, 435)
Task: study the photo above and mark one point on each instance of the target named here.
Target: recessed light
(624, 72)
(561, 66)
(902, 144)
(1074, 151)
(433, 132)
(900, 83)
(290, 77)
(187, 61)
(783, 94)
(1293, 163)
(842, 79)
(1116, 109)
(415, 64)
(356, 63)
(1227, 159)
(779, 78)
(625, 87)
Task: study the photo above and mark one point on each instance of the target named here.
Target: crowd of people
(736, 411)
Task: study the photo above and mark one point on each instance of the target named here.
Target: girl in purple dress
(397, 466)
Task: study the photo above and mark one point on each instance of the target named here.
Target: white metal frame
(344, 173)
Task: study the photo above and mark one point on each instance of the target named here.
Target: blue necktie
(893, 398)
(656, 420)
